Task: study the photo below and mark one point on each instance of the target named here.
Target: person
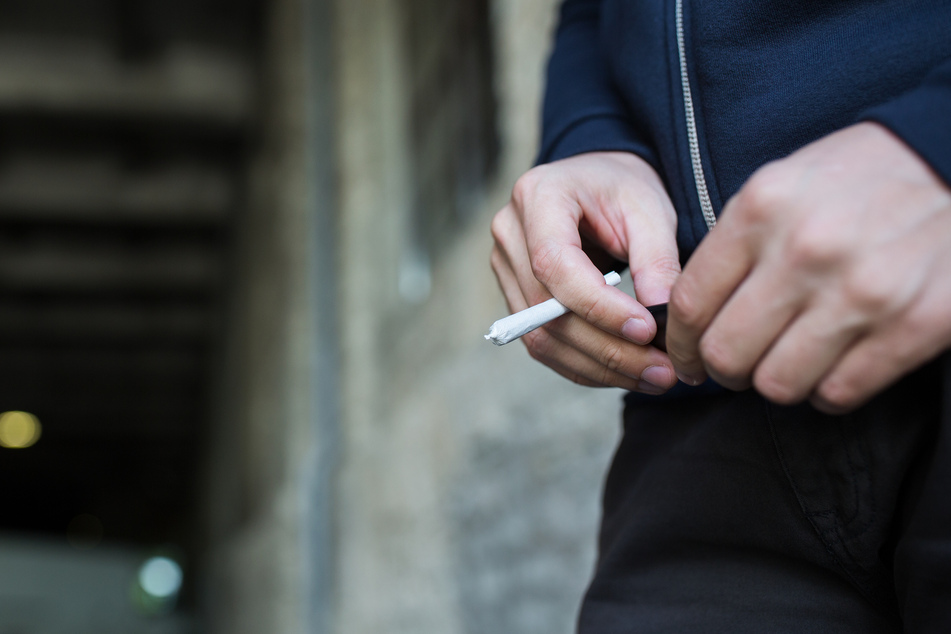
(780, 172)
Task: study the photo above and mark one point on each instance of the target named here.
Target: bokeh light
(157, 585)
(19, 430)
(160, 577)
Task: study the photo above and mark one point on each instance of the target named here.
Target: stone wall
(470, 476)
(272, 443)
(377, 466)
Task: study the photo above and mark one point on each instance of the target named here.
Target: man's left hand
(828, 276)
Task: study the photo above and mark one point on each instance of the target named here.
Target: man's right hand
(563, 218)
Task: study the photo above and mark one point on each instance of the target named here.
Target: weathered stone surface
(462, 480)
(468, 495)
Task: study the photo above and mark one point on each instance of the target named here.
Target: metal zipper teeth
(706, 207)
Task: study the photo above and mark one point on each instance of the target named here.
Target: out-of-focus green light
(19, 430)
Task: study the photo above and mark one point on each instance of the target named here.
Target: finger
(507, 280)
(747, 325)
(717, 267)
(580, 352)
(617, 355)
(579, 367)
(805, 352)
(559, 263)
(510, 255)
(875, 362)
(560, 354)
(654, 258)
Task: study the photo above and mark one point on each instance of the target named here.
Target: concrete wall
(272, 445)
(469, 476)
(377, 465)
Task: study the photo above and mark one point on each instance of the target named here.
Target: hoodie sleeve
(922, 118)
(583, 111)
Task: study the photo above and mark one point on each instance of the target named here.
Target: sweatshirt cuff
(594, 133)
(922, 119)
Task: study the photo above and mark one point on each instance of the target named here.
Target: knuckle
(682, 306)
(593, 309)
(526, 185)
(815, 244)
(721, 361)
(839, 393)
(607, 377)
(613, 357)
(500, 224)
(545, 259)
(776, 389)
(666, 266)
(865, 292)
(767, 190)
(538, 343)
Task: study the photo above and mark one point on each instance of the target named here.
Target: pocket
(849, 473)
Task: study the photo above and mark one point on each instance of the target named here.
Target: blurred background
(243, 286)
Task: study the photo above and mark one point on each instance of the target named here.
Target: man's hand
(828, 276)
(565, 217)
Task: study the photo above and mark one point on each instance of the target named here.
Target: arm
(587, 205)
(583, 111)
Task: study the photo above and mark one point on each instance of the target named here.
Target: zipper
(706, 207)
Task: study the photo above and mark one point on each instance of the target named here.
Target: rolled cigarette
(523, 322)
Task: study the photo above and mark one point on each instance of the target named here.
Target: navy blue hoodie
(763, 77)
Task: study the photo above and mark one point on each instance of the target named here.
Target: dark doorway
(125, 126)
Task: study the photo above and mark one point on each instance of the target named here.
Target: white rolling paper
(514, 326)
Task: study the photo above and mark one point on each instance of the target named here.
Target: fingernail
(658, 376)
(648, 388)
(689, 380)
(636, 330)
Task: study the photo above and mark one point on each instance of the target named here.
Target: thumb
(655, 263)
